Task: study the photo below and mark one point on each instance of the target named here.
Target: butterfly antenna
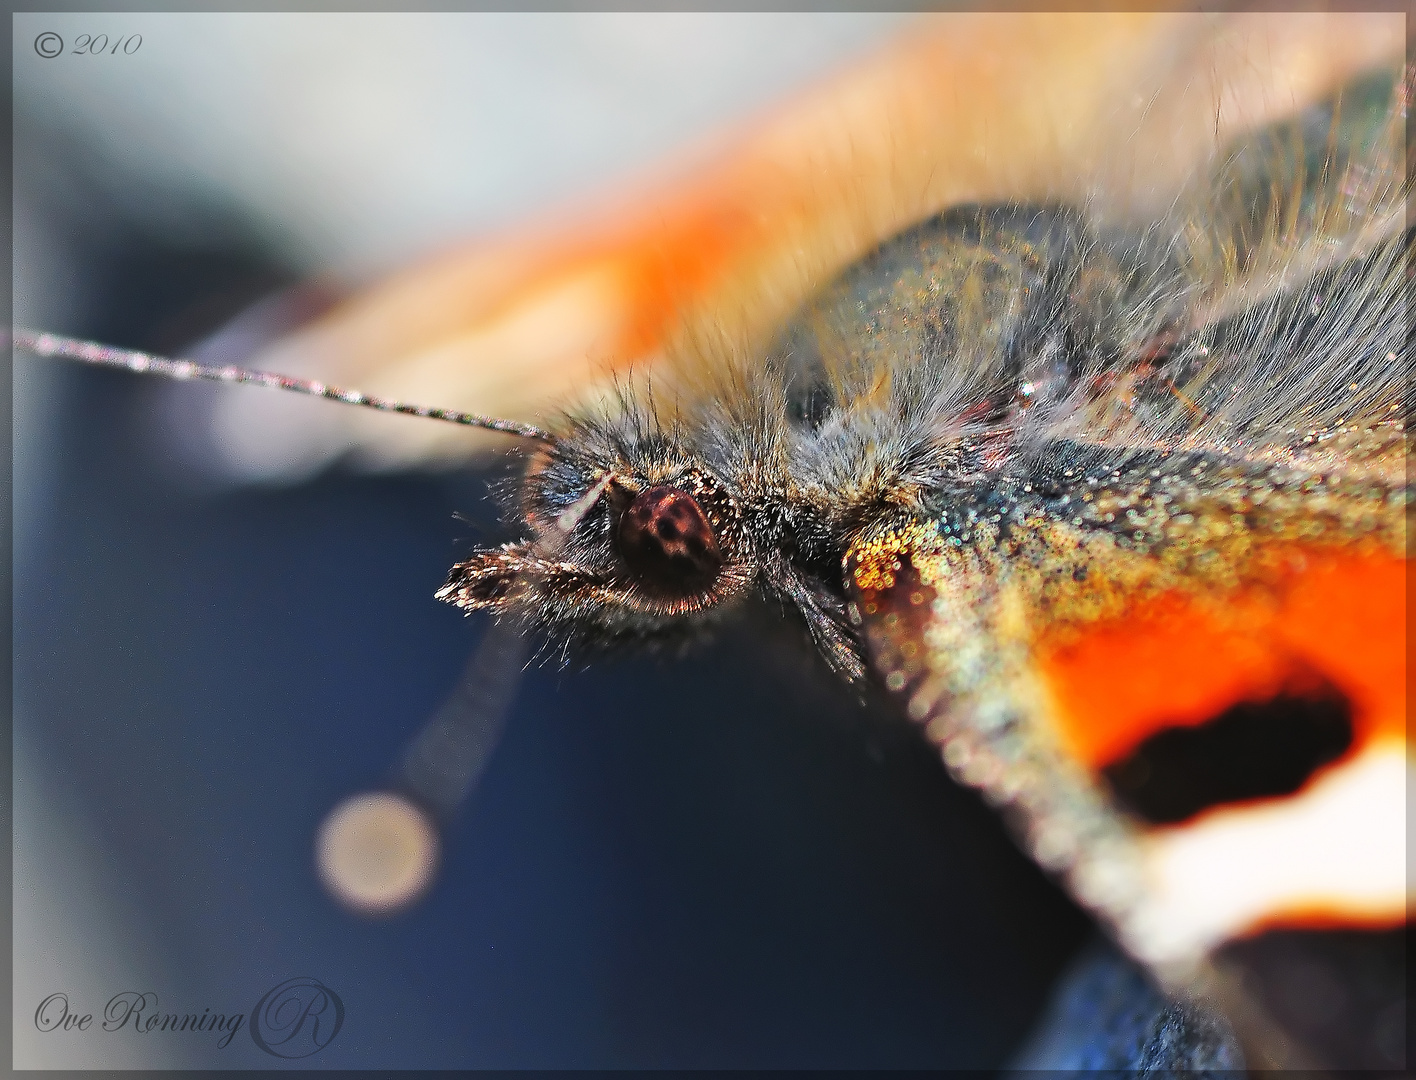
(445, 760)
(378, 852)
(90, 352)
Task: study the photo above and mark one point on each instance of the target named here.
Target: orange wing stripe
(1180, 659)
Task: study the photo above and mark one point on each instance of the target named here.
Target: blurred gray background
(356, 141)
(767, 871)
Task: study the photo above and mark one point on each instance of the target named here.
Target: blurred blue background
(727, 860)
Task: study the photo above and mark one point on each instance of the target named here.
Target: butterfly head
(627, 539)
(636, 532)
(633, 531)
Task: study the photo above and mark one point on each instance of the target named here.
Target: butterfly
(1117, 513)
(1121, 521)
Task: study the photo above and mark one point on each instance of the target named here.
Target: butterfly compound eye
(666, 540)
